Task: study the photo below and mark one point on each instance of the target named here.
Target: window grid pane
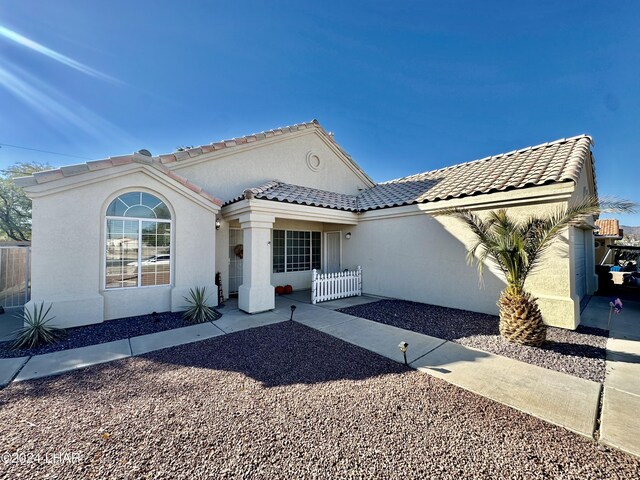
(138, 204)
(122, 253)
(278, 250)
(137, 251)
(295, 251)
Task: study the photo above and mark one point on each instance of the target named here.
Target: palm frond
(486, 247)
(517, 247)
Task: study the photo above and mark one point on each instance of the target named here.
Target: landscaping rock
(581, 353)
(281, 401)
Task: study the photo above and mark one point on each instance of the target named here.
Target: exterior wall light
(217, 224)
(347, 235)
(293, 309)
(403, 348)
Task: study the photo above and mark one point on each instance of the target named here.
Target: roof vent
(144, 152)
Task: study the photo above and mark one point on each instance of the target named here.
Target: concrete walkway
(38, 366)
(9, 323)
(558, 398)
(620, 421)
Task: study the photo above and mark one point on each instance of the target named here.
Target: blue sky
(406, 86)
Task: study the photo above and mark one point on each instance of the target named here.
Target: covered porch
(263, 244)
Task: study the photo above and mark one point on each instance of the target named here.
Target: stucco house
(607, 232)
(132, 234)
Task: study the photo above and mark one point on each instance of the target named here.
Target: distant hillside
(631, 230)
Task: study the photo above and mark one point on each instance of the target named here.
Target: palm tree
(517, 247)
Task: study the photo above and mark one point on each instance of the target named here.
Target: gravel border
(107, 331)
(581, 353)
(281, 401)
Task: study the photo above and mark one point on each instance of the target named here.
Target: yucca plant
(36, 330)
(516, 247)
(197, 309)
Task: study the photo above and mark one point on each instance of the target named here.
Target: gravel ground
(580, 353)
(104, 332)
(282, 401)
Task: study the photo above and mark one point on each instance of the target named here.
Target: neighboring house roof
(74, 170)
(553, 162)
(609, 228)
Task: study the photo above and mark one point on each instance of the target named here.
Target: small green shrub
(36, 330)
(197, 309)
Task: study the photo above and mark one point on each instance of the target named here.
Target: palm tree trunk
(520, 318)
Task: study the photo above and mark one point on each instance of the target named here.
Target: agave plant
(197, 309)
(36, 330)
(517, 247)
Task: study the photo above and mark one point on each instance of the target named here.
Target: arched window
(138, 241)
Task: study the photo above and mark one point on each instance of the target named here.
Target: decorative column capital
(257, 220)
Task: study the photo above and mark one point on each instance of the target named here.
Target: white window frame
(285, 250)
(139, 220)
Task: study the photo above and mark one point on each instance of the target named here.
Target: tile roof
(552, 162)
(161, 160)
(608, 228)
(256, 137)
(285, 192)
(73, 170)
(233, 142)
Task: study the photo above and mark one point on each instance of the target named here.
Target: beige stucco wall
(416, 256)
(68, 251)
(227, 173)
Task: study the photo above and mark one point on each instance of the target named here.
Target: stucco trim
(290, 211)
(529, 196)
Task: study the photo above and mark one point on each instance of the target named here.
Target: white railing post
(314, 285)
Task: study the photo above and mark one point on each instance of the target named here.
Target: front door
(333, 262)
(235, 259)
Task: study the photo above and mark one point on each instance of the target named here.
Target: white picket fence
(329, 286)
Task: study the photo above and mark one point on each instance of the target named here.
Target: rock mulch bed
(107, 331)
(282, 401)
(580, 353)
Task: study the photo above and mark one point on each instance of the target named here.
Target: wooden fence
(330, 286)
(15, 266)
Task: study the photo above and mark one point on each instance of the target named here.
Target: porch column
(256, 294)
